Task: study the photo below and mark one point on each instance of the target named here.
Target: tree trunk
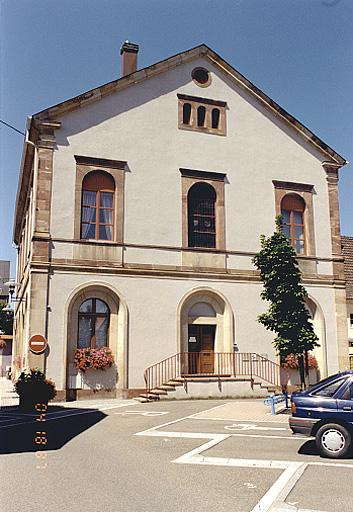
(301, 371)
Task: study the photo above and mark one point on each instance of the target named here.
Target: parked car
(325, 412)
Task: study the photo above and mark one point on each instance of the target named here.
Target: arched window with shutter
(97, 207)
(202, 216)
(292, 210)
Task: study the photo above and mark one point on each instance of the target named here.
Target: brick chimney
(128, 53)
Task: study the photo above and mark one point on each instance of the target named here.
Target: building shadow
(22, 432)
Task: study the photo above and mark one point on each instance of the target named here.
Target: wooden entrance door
(201, 348)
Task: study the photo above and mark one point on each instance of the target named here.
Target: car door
(324, 403)
(345, 402)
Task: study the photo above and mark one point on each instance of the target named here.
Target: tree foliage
(6, 319)
(287, 315)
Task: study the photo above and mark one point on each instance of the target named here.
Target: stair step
(158, 391)
(167, 387)
(142, 399)
(175, 382)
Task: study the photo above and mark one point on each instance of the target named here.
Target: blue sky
(299, 52)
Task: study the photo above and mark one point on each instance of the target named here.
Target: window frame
(93, 315)
(116, 169)
(190, 177)
(292, 224)
(306, 192)
(209, 105)
(97, 209)
(194, 211)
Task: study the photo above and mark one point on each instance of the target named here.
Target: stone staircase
(178, 388)
(234, 375)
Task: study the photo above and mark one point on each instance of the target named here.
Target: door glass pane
(84, 332)
(101, 332)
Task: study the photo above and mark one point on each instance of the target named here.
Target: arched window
(97, 212)
(292, 210)
(202, 216)
(186, 113)
(93, 324)
(201, 115)
(215, 117)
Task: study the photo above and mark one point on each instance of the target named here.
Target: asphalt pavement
(199, 455)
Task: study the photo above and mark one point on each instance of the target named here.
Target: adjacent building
(140, 207)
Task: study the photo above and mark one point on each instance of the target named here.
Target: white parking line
(275, 497)
(251, 426)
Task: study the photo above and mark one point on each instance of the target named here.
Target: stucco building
(140, 206)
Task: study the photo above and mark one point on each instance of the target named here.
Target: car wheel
(333, 440)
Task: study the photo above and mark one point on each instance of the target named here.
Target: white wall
(152, 305)
(140, 125)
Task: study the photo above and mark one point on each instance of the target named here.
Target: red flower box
(93, 358)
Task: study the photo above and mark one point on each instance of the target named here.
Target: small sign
(192, 339)
(37, 344)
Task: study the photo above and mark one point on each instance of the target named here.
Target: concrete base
(213, 389)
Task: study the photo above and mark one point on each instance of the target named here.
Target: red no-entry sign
(37, 344)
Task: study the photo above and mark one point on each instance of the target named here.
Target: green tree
(287, 314)
(6, 319)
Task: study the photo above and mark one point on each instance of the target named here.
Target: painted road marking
(251, 426)
(142, 413)
(274, 498)
(27, 418)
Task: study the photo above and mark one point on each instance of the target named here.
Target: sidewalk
(8, 396)
(246, 410)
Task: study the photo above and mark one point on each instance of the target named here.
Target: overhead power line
(12, 127)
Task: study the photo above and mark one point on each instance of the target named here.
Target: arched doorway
(96, 318)
(205, 331)
(318, 321)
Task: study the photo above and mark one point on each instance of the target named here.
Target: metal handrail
(214, 364)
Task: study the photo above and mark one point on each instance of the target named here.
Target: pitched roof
(347, 249)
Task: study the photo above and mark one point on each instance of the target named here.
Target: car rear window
(330, 389)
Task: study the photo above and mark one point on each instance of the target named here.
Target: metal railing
(214, 364)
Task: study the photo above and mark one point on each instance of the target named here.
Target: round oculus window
(201, 76)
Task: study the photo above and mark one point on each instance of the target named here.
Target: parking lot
(197, 455)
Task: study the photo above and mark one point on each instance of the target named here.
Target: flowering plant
(95, 358)
(33, 387)
(291, 361)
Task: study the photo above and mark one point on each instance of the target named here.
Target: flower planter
(93, 358)
(33, 388)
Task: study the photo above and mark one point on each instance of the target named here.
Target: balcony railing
(215, 364)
